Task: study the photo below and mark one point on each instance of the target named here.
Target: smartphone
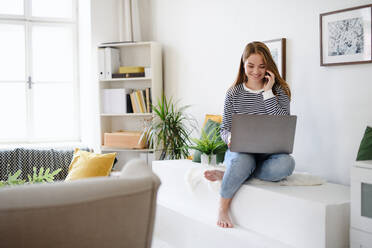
(265, 78)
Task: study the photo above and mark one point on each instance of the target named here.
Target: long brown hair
(260, 48)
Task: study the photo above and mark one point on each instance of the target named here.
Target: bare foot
(224, 219)
(214, 175)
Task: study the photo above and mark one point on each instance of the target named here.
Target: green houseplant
(168, 129)
(209, 144)
(37, 177)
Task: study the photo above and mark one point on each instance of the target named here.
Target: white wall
(202, 44)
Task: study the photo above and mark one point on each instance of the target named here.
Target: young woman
(258, 89)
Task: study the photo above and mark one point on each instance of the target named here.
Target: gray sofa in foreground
(95, 212)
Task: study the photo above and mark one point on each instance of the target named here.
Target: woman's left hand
(270, 81)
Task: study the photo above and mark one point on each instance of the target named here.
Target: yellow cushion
(87, 164)
(216, 118)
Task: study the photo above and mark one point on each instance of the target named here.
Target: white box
(147, 71)
(114, 101)
(101, 64)
(112, 61)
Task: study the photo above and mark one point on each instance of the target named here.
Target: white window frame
(28, 21)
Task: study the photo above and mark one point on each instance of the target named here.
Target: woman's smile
(256, 76)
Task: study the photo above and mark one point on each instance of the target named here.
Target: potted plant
(42, 176)
(168, 128)
(209, 145)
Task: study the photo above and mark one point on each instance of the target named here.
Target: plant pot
(208, 159)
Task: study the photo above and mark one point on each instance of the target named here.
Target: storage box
(126, 139)
(147, 71)
(114, 101)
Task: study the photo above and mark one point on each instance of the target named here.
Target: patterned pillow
(25, 158)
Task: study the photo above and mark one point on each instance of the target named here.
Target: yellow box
(131, 69)
(126, 139)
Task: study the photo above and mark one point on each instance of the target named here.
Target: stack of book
(139, 101)
(129, 72)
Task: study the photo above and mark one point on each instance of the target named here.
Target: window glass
(12, 52)
(53, 114)
(12, 111)
(52, 8)
(52, 53)
(11, 7)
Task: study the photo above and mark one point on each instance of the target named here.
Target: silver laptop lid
(263, 133)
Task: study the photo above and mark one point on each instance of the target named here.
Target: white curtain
(129, 27)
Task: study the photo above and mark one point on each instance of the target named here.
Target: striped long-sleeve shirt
(242, 100)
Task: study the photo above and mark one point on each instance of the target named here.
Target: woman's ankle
(225, 204)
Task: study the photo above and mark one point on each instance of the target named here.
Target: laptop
(263, 133)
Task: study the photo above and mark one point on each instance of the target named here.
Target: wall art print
(278, 49)
(345, 36)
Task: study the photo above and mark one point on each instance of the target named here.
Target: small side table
(361, 205)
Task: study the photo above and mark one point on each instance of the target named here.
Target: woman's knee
(239, 166)
(277, 167)
(241, 161)
(286, 163)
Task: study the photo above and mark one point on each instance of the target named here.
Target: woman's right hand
(228, 145)
(270, 81)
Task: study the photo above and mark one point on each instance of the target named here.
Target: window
(38, 71)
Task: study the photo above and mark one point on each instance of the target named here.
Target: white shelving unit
(126, 79)
(146, 54)
(111, 149)
(128, 114)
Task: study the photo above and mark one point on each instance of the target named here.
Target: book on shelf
(128, 75)
(131, 69)
(139, 99)
(143, 100)
(134, 103)
(129, 104)
(148, 99)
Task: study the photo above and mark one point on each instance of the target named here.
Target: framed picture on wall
(277, 49)
(345, 36)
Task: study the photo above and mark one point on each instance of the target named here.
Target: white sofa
(95, 212)
(264, 216)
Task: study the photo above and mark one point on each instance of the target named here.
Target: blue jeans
(240, 166)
